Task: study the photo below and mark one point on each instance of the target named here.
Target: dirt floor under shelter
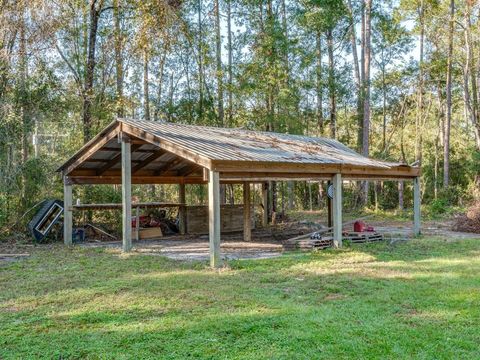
(266, 243)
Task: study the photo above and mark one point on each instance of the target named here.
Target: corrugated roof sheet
(245, 145)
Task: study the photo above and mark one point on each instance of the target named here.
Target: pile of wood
(308, 244)
(325, 240)
(363, 237)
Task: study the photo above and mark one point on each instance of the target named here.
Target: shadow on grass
(418, 299)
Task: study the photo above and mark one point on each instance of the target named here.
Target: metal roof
(245, 145)
(179, 151)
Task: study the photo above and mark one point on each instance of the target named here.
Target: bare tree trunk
(95, 9)
(400, 195)
(366, 58)
(357, 75)
(366, 80)
(319, 83)
(146, 92)
(200, 60)
(25, 107)
(118, 57)
(218, 41)
(290, 186)
(384, 110)
(158, 107)
(448, 119)
(419, 117)
(230, 63)
(331, 84)
(471, 98)
(438, 140)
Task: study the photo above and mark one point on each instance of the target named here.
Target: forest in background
(395, 80)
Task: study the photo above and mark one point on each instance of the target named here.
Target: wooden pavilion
(145, 152)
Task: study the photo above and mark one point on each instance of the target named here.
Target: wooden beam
(126, 196)
(67, 212)
(115, 160)
(214, 218)
(188, 170)
(149, 159)
(329, 207)
(265, 204)
(139, 142)
(416, 207)
(337, 210)
(182, 214)
(169, 165)
(137, 223)
(321, 172)
(225, 166)
(247, 219)
(115, 149)
(88, 179)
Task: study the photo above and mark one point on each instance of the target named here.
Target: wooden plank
(189, 170)
(169, 165)
(231, 218)
(230, 168)
(115, 149)
(313, 172)
(214, 218)
(67, 213)
(154, 156)
(115, 160)
(337, 210)
(416, 207)
(265, 204)
(137, 223)
(114, 206)
(126, 196)
(138, 180)
(151, 233)
(329, 207)
(247, 218)
(182, 216)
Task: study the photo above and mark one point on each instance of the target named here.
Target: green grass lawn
(419, 299)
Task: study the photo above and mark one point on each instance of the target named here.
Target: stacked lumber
(363, 237)
(324, 241)
(307, 244)
(231, 219)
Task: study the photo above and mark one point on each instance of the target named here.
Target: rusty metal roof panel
(246, 145)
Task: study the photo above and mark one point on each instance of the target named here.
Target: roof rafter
(116, 159)
(154, 156)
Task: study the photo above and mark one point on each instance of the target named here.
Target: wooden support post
(126, 195)
(329, 208)
(137, 223)
(182, 218)
(265, 204)
(337, 210)
(416, 206)
(214, 218)
(247, 219)
(67, 212)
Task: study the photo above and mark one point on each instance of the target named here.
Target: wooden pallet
(308, 244)
(363, 237)
(327, 241)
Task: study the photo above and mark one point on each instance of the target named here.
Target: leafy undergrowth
(419, 299)
(377, 215)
